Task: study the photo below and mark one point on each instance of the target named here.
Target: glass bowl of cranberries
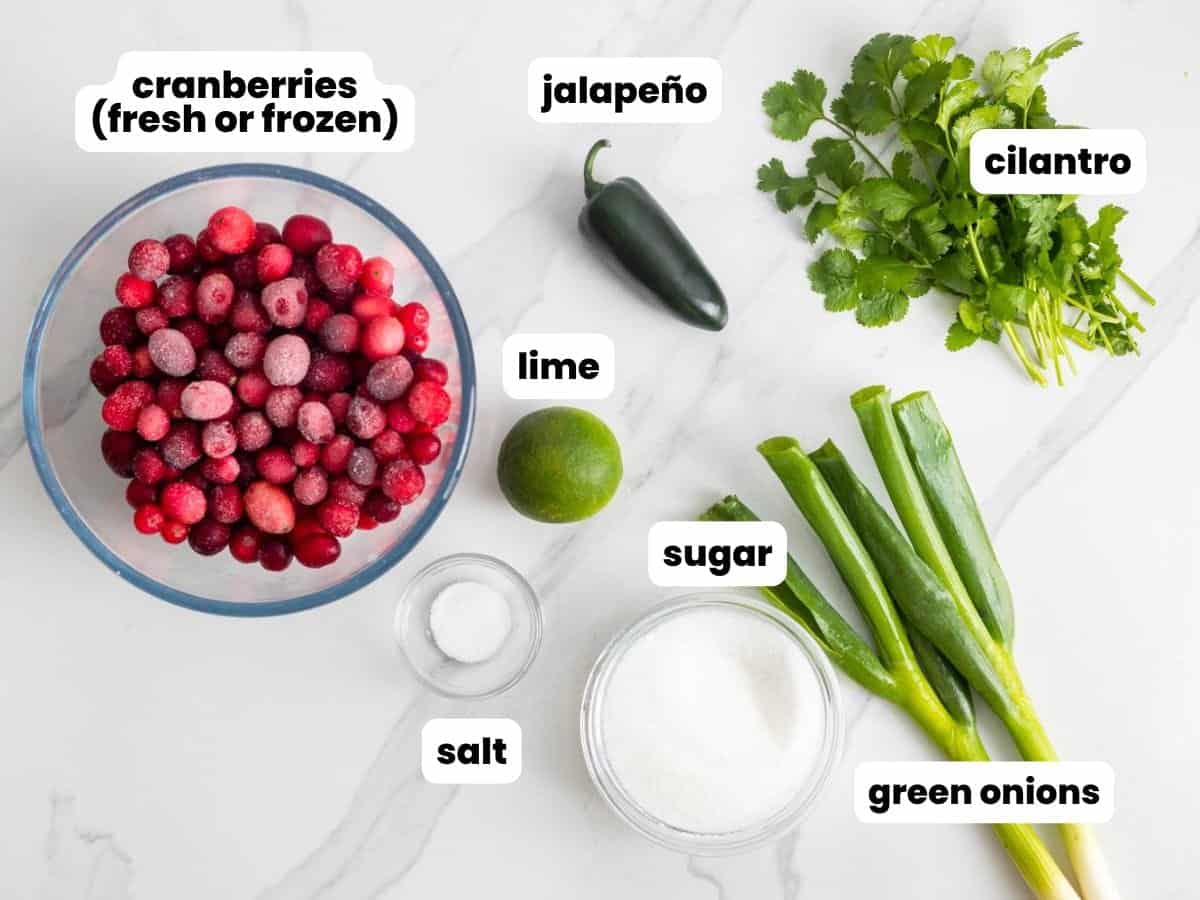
(249, 390)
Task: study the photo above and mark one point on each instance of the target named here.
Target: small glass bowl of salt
(470, 625)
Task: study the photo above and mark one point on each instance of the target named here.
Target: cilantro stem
(853, 136)
(1019, 348)
(1137, 288)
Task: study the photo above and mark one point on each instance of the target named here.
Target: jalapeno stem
(590, 185)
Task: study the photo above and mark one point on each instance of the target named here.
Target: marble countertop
(150, 752)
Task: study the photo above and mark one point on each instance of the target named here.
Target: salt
(713, 720)
(469, 621)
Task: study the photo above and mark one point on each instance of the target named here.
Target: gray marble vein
(82, 864)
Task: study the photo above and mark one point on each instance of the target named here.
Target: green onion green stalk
(937, 603)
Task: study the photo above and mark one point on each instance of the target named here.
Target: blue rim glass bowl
(61, 409)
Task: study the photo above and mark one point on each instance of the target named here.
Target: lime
(559, 464)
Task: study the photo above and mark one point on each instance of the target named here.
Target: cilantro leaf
(1033, 218)
(1008, 301)
(959, 337)
(1105, 226)
(924, 88)
(819, 218)
(960, 212)
(927, 227)
(881, 308)
(888, 197)
(789, 191)
(864, 107)
(981, 117)
(835, 160)
(1061, 47)
(961, 67)
(933, 47)
(955, 101)
(888, 274)
(881, 59)
(833, 275)
(794, 106)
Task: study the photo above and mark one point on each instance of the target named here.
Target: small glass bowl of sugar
(470, 625)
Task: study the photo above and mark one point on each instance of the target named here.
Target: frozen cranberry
(244, 271)
(275, 465)
(365, 419)
(171, 352)
(208, 537)
(134, 292)
(343, 490)
(119, 326)
(416, 341)
(328, 373)
(388, 445)
(389, 378)
(400, 418)
(149, 468)
(265, 233)
(205, 400)
(225, 503)
(214, 297)
(253, 431)
(149, 259)
(366, 307)
(247, 313)
(219, 439)
(339, 519)
(148, 519)
(174, 532)
(381, 507)
(286, 302)
(414, 317)
(315, 422)
(274, 554)
(211, 365)
(118, 449)
(339, 404)
(269, 507)
(305, 453)
(245, 349)
(244, 543)
(306, 525)
(429, 404)
(305, 235)
(424, 448)
(167, 396)
(339, 333)
(231, 230)
(121, 408)
(362, 466)
(310, 486)
(183, 502)
(206, 249)
(181, 447)
(367, 522)
(283, 405)
(381, 338)
(317, 315)
(338, 266)
(253, 388)
(153, 423)
(286, 360)
(176, 296)
(431, 370)
(377, 276)
(102, 377)
(318, 550)
(224, 470)
(273, 262)
(181, 250)
(336, 454)
(304, 269)
(403, 480)
(143, 365)
(117, 360)
(195, 331)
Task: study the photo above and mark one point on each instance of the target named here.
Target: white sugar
(713, 720)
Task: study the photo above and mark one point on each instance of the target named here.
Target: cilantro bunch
(1029, 268)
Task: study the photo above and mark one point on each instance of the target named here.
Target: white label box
(927, 793)
(614, 90)
(1058, 161)
(471, 751)
(709, 554)
(558, 366)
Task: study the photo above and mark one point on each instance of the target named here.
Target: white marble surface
(149, 752)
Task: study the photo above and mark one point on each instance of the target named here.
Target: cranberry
(181, 447)
(365, 418)
(206, 249)
(205, 400)
(177, 296)
(339, 404)
(381, 338)
(121, 408)
(362, 466)
(416, 341)
(222, 470)
(381, 507)
(143, 365)
(338, 266)
(102, 378)
(318, 550)
(400, 418)
(139, 494)
(310, 486)
(328, 373)
(209, 537)
(377, 276)
(148, 519)
(431, 370)
(167, 396)
(244, 271)
(389, 378)
(119, 326)
(275, 465)
(214, 297)
(286, 360)
(171, 352)
(183, 502)
(270, 508)
(219, 439)
(245, 350)
(182, 252)
(253, 431)
(225, 503)
(283, 405)
(388, 445)
(244, 543)
(174, 532)
(343, 490)
(211, 365)
(286, 302)
(149, 259)
(403, 480)
(274, 554)
(338, 518)
(117, 360)
(231, 230)
(306, 234)
(336, 454)
(248, 314)
(367, 307)
(149, 468)
(253, 388)
(135, 292)
(424, 448)
(153, 423)
(304, 269)
(367, 522)
(195, 331)
(414, 317)
(118, 449)
(305, 453)
(265, 233)
(429, 404)
(273, 262)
